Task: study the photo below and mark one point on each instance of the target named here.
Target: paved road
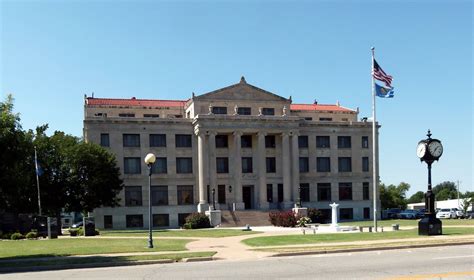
(454, 262)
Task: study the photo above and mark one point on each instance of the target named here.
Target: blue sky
(54, 52)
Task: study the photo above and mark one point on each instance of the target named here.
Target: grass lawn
(83, 246)
(178, 233)
(104, 260)
(388, 223)
(343, 237)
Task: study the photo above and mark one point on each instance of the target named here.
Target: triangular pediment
(241, 91)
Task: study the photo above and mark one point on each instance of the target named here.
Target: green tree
(392, 196)
(445, 190)
(95, 178)
(17, 184)
(416, 197)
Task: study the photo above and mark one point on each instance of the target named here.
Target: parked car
(77, 225)
(446, 213)
(392, 213)
(409, 214)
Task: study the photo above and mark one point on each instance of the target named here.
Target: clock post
(429, 150)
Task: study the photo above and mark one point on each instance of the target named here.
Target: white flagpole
(37, 183)
(374, 149)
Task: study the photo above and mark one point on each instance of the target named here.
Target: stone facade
(255, 149)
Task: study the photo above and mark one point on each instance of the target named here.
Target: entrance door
(247, 196)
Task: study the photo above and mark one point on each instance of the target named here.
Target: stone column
(262, 171)
(203, 204)
(295, 165)
(212, 164)
(285, 155)
(237, 188)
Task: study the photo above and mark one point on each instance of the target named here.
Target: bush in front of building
(197, 220)
(17, 236)
(283, 218)
(315, 215)
(32, 235)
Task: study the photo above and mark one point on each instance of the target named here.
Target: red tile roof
(135, 102)
(319, 107)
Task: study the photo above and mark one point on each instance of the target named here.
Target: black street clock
(429, 150)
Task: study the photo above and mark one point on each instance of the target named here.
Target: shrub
(303, 221)
(31, 235)
(283, 219)
(7, 235)
(73, 231)
(315, 215)
(17, 236)
(97, 232)
(197, 220)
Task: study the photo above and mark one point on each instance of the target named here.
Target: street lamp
(213, 199)
(149, 161)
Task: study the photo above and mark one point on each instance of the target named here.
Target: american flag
(380, 75)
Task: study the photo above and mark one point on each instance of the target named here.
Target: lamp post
(149, 161)
(299, 197)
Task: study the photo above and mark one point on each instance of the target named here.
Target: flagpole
(374, 143)
(37, 182)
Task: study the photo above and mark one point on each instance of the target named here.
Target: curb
(289, 254)
(98, 265)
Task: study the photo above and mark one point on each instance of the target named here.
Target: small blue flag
(384, 92)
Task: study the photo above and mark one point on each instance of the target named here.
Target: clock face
(436, 149)
(421, 150)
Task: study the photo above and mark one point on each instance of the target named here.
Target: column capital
(262, 133)
(199, 132)
(285, 134)
(237, 133)
(295, 133)
(212, 133)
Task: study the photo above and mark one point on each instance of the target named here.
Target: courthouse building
(243, 146)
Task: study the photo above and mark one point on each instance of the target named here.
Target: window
(308, 118)
(159, 195)
(222, 141)
(366, 213)
(222, 165)
(161, 220)
(151, 116)
(182, 218)
(345, 164)
(219, 110)
(343, 142)
(303, 141)
(131, 140)
(325, 119)
(322, 141)
(270, 141)
(304, 165)
(345, 191)
(183, 141)
(246, 141)
(185, 195)
(365, 142)
(365, 164)
(280, 192)
(365, 191)
(134, 221)
(184, 165)
(323, 164)
(346, 213)
(244, 111)
(247, 165)
(108, 222)
(133, 196)
(304, 192)
(157, 140)
(127, 115)
(104, 140)
(326, 215)
(269, 193)
(268, 111)
(160, 166)
(324, 191)
(271, 164)
(221, 194)
(132, 165)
